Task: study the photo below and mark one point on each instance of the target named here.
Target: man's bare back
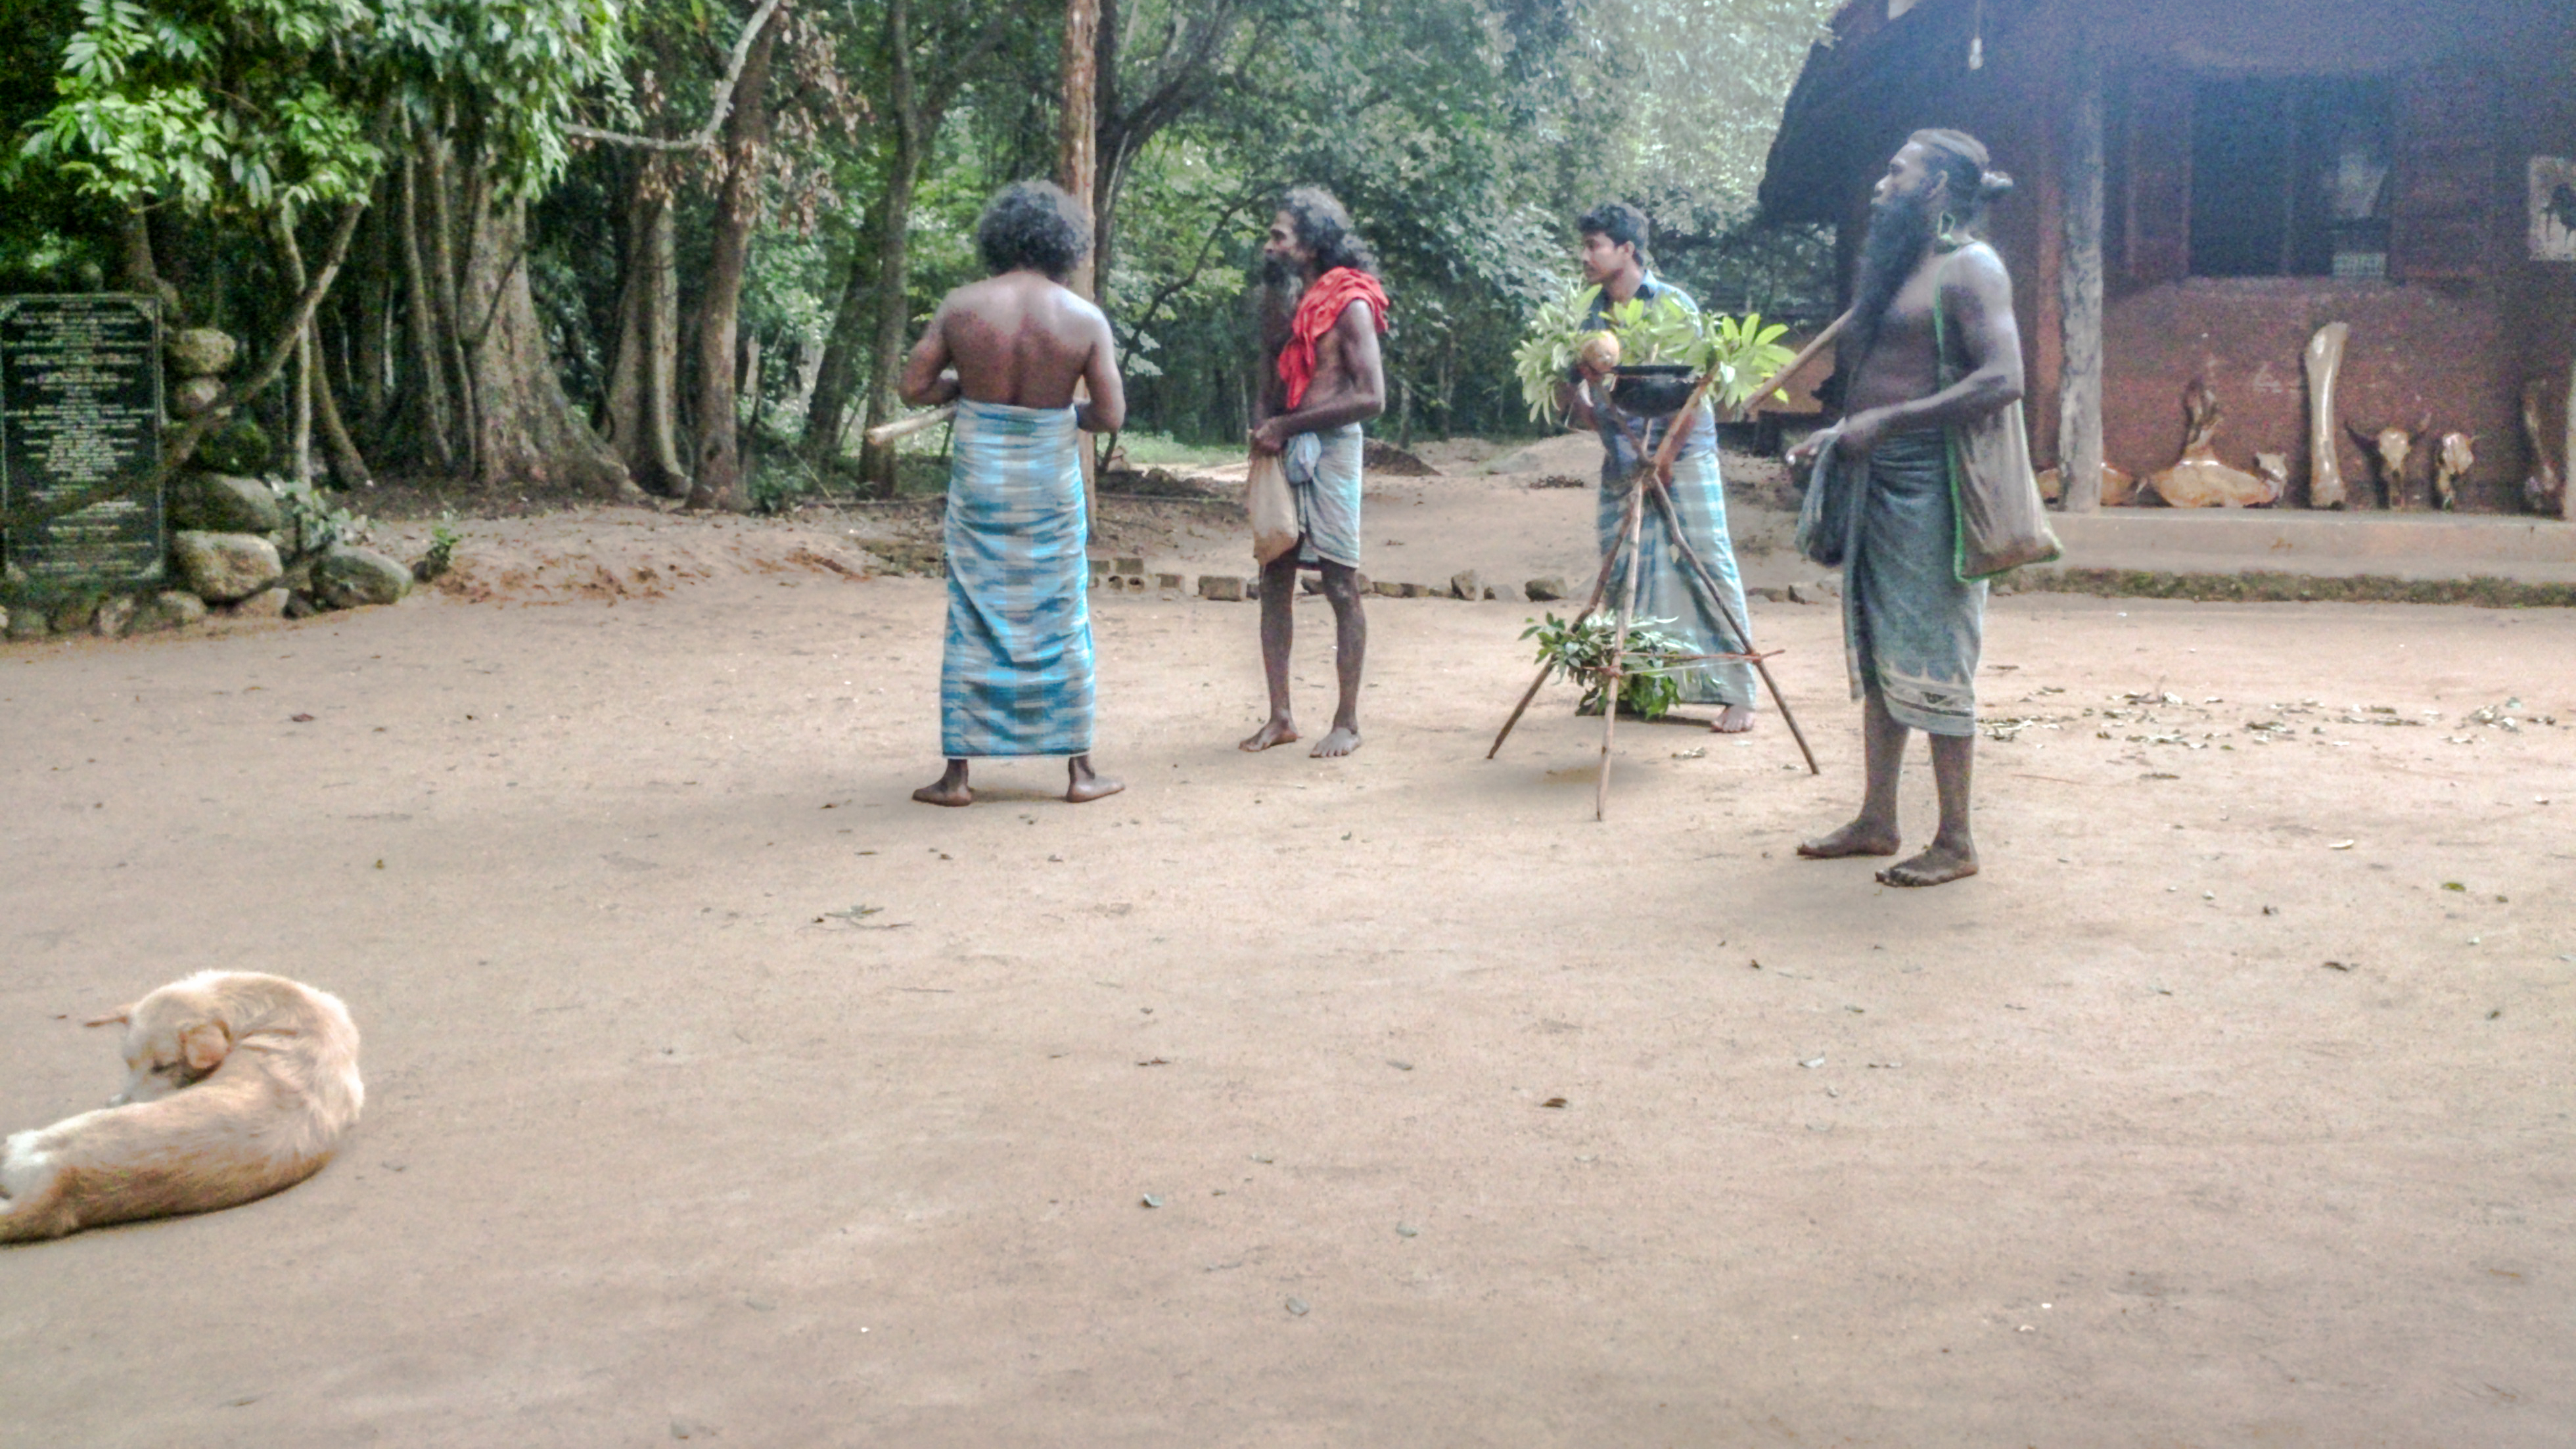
(1019, 340)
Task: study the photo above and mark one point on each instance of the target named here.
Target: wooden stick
(1717, 597)
(1600, 586)
(1619, 646)
(884, 433)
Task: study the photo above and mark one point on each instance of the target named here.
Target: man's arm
(1362, 374)
(926, 381)
(1978, 294)
(1106, 412)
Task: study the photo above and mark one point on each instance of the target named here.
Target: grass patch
(2281, 588)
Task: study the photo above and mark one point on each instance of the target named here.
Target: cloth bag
(1826, 514)
(2002, 524)
(1267, 497)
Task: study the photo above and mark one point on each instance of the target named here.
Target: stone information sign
(80, 404)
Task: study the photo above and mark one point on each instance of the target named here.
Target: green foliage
(1649, 666)
(1742, 352)
(441, 555)
(1545, 358)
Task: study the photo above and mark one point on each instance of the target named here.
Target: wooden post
(1078, 166)
(2567, 454)
(2079, 286)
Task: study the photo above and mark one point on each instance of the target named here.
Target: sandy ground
(719, 1092)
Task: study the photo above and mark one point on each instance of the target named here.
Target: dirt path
(717, 1091)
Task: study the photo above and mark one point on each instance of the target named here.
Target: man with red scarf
(1328, 380)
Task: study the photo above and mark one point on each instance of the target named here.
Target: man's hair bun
(1994, 185)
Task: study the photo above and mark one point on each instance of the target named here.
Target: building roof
(1854, 96)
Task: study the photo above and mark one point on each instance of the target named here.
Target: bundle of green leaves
(1740, 352)
(1649, 668)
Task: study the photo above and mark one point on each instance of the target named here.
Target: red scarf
(1317, 311)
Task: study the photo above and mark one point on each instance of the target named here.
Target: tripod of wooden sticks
(1645, 486)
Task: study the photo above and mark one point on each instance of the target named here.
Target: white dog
(238, 1085)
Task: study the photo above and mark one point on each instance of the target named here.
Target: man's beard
(1281, 286)
(1899, 228)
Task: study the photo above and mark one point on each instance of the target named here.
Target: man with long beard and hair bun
(1327, 379)
(1932, 347)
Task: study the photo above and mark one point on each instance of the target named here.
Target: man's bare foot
(948, 789)
(1279, 731)
(1343, 740)
(1081, 785)
(1937, 866)
(1858, 838)
(1738, 719)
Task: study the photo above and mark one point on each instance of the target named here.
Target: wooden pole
(1619, 640)
(1078, 167)
(2567, 454)
(2079, 288)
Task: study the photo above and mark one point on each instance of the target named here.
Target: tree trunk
(371, 332)
(894, 313)
(313, 401)
(718, 482)
(433, 416)
(454, 326)
(525, 429)
(641, 392)
(2079, 282)
(836, 377)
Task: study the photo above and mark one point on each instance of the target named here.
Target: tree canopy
(680, 243)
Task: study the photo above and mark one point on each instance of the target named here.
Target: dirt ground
(719, 1092)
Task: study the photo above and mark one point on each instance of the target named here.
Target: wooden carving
(2453, 457)
(2118, 488)
(2389, 448)
(2199, 480)
(2325, 359)
(2544, 490)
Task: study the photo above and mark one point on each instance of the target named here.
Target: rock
(1546, 587)
(1388, 589)
(222, 503)
(195, 396)
(1223, 588)
(1508, 593)
(1803, 594)
(266, 604)
(202, 352)
(1769, 595)
(115, 616)
(1413, 591)
(351, 578)
(28, 623)
(240, 446)
(169, 609)
(1466, 584)
(222, 567)
(300, 606)
(72, 616)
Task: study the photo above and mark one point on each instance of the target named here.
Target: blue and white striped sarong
(1665, 589)
(1324, 473)
(1911, 630)
(1015, 677)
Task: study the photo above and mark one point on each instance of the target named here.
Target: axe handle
(884, 433)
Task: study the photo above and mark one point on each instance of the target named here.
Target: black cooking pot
(1652, 389)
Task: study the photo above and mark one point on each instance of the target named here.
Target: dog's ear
(119, 1017)
(203, 1045)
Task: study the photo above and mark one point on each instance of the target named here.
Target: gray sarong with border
(1911, 629)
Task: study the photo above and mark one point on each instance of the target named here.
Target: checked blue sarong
(1665, 589)
(1015, 677)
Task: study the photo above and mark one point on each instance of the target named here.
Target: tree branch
(183, 445)
(723, 107)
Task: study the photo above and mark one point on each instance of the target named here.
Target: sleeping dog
(237, 1085)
